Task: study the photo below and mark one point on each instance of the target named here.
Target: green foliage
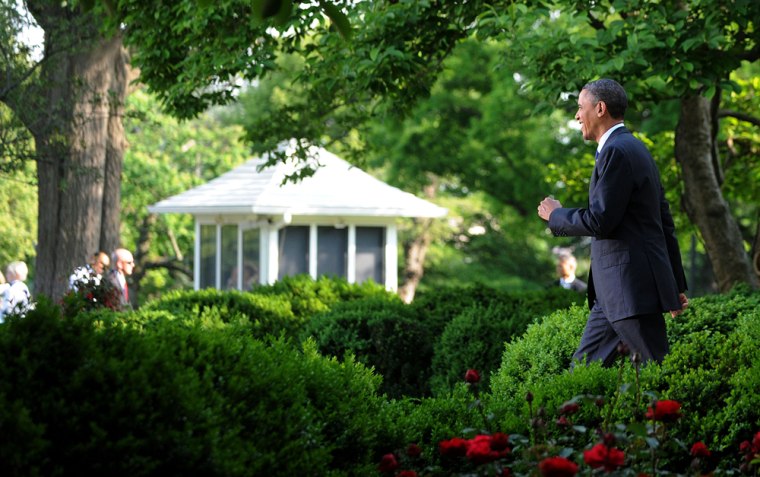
(429, 420)
(710, 369)
(382, 332)
(268, 315)
(83, 397)
(166, 157)
(474, 338)
(308, 297)
(714, 359)
(18, 197)
(544, 350)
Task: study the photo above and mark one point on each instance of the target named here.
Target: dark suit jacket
(114, 279)
(635, 260)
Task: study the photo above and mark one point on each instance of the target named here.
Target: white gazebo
(250, 227)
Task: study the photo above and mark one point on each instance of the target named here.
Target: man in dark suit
(123, 265)
(566, 267)
(636, 272)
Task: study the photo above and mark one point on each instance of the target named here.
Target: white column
(351, 255)
(313, 251)
(240, 257)
(218, 264)
(263, 254)
(273, 258)
(197, 257)
(391, 258)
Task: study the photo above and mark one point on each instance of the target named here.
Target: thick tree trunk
(696, 151)
(80, 144)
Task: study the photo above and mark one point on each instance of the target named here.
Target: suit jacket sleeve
(608, 200)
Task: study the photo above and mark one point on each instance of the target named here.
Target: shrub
(440, 306)
(308, 297)
(154, 396)
(711, 368)
(544, 350)
(566, 440)
(475, 337)
(268, 315)
(382, 332)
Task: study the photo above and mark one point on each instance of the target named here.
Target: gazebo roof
(337, 188)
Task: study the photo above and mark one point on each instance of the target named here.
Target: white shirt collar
(566, 282)
(606, 136)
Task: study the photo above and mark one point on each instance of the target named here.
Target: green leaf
(339, 19)
(710, 92)
(637, 429)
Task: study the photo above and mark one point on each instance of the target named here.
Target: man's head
(100, 262)
(601, 104)
(566, 265)
(17, 271)
(123, 261)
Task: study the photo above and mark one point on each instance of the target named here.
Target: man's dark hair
(611, 93)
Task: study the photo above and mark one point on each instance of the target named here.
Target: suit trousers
(645, 334)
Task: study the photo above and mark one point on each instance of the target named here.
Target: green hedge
(382, 332)
(144, 394)
(475, 336)
(268, 315)
(307, 296)
(713, 369)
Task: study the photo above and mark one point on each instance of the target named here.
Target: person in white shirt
(92, 272)
(16, 298)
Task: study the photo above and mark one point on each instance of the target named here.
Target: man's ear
(601, 107)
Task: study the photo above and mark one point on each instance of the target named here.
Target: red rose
(700, 450)
(756, 442)
(499, 441)
(456, 447)
(407, 473)
(557, 467)
(665, 411)
(413, 450)
(602, 456)
(472, 376)
(388, 463)
(479, 450)
(562, 421)
(569, 408)
(505, 472)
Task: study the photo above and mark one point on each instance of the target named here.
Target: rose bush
(645, 445)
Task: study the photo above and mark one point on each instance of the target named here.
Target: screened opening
(370, 253)
(251, 264)
(208, 256)
(229, 256)
(293, 250)
(332, 251)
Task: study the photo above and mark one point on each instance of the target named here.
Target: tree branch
(751, 55)
(748, 118)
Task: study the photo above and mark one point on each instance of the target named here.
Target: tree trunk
(80, 145)
(414, 264)
(696, 151)
(414, 252)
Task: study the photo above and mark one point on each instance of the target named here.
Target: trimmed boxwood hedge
(383, 333)
(268, 315)
(148, 394)
(475, 336)
(713, 369)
